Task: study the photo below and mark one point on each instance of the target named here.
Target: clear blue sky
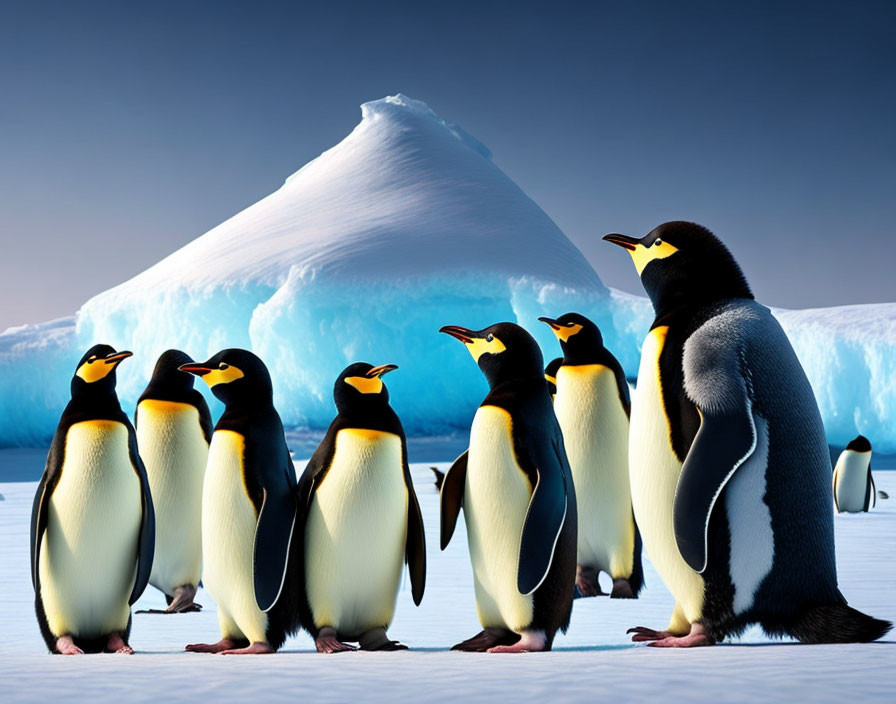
(128, 129)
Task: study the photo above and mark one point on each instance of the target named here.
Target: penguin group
(716, 465)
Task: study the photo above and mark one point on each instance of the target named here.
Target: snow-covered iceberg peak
(363, 253)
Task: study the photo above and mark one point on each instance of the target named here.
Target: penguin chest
(496, 500)
(229, 521)
(89, 552)
(175, 453)
(654, 469)
(595, 432)
(356, 532)
(851, 482)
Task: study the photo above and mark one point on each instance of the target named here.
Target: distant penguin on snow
(92, 526)
(730, 471)
(516, 490)
(249, 561)
(592, 407)
(174, 429)
(361, 519)
(854, 490)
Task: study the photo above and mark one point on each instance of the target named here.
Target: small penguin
(516, 490)
(174, 429)
(361, 519)
(249, 560)
(92, 525)
(854, 490)
(550, 375)
(592, 407)
(729, 466)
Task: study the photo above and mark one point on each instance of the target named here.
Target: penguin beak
(377, 372)
(550, 321)
(116, 357)
(462, 334)
(196, 369)
(629, 243)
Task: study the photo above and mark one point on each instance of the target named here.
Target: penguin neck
(581, 355)
(675, 305)
(97, 403)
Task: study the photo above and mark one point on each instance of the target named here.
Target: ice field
(594, 661)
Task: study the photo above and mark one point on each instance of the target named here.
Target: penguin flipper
(451, 497)
(834, 481)
(544, 522)
(146, 544)
(870, 491)
(273, 535)
(415, 546)
(40, 508)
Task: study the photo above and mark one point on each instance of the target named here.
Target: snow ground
(593, 661)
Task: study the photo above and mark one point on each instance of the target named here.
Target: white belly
(654, 471)
(851, 480)
(595, 433)
(496, 500)
(88, 556)
(175, 452)
(355, 534)
(228, 540)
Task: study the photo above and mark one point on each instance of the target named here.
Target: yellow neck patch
(365, 385)
(551, 379)
(95, 370)
(564, 332)
(222, 376)
(642, 256)
(479, 346)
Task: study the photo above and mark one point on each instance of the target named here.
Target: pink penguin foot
(116, 644)
(219, 647)
(254, 649)
(529, 642)
(66, 646)
(327, 641)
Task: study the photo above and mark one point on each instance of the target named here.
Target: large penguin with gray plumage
(730, 471)
(174, 429)
(92, 526)
(250, 566)
(592, 407)
(361, 519)
(516, 490)
(853, 485)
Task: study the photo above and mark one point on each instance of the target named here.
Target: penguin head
(859, 444)
(361, 386)
(503, 351)
(682, 262)
(550, 374)
(167, 378)
(579, 337)
(95, 373)
(235, 376)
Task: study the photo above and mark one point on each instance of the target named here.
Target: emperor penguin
(515, 486)
(174, 429)
(730, 471)
(92, 525)
(550, 375)
(854, 490)
(249, 565)
(592, 407)
(361, 519)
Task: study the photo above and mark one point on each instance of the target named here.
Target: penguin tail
(838, 623)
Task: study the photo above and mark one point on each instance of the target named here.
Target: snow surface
(363, 254)
(594, 661)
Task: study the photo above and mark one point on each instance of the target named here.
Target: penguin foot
(66, 646)
(254, 649)
(529, 642)
(116, 644)
(487, 639)
(698, 637)
(376, 639)
(328, 642)
(586, 582)
(183, 601)
(641, 634)
(220, 646)
(622, 589)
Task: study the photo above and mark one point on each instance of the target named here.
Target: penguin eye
(569, 325)
(223, 365)
(657, 242)
(91, 360)
(489, 337)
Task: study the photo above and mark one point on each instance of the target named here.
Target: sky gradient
(127, 130)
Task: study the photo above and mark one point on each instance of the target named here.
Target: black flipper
(451, 497)
(544, 520)
(273, 534)
(415, 547)
(870, 491)
(146, 545)
(724, 441)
